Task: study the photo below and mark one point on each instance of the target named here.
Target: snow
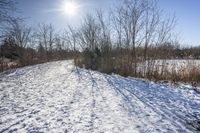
(58, 97)
(176, 64)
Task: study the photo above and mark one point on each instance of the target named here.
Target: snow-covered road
(57, 97)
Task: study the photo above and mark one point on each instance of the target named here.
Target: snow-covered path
(57, 97)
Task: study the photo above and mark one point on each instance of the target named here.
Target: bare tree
(139, 23)
(6, 7)
(130, 19)
(59, 44)
(46, 37)
(89, 33)
(72, 38)
(151, 24)
(104, 41)
(89, 40)
(21, 35)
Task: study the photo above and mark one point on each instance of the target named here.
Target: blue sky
(43, 11)
(188, 19)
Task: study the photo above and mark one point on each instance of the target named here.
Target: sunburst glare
(70, 8)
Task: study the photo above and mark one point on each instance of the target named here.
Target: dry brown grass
(189, 72)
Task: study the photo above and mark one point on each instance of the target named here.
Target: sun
(70, 8)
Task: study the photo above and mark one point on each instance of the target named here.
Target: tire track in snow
(103, 104)
(132, 94)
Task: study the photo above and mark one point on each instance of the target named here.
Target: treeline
(128, 40)
(23, 46)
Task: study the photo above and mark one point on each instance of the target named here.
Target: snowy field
(175, 64)
(56, 97)
(178, 64)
